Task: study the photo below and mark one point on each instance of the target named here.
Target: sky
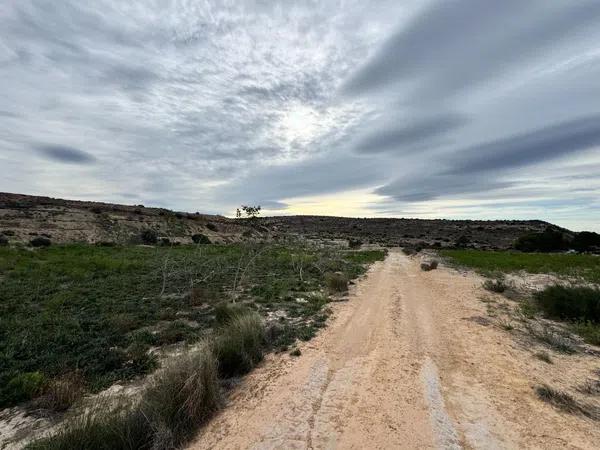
(454, 109)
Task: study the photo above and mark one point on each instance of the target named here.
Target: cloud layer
(456, 108)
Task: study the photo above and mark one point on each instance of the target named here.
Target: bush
(547, 241)
(25, 386)
(8, 233)
(497, 286)
(149, 237)
(3, 240)
(200, 239)
(586, 241)
(238, 346)
(574, 303)
(211, 226)
(40, 241)
(336, 282)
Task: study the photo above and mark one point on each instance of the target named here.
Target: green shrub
(25, 386)
(40, 241)
(149, 237)
(547, 241)
(238, 346)
(586, 241)
(336, 282)
(3, 240)
(574, 303)
(200, 238)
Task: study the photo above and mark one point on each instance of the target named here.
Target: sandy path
(402, 365)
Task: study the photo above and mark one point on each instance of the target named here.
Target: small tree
(250, 211)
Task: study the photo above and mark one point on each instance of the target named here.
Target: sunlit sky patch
(433, 108)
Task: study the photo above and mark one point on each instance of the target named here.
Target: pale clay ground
(404, 365)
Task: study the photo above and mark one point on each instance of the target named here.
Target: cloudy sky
(447, 108)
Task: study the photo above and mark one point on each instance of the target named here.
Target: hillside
(23, 217)
(484, 234)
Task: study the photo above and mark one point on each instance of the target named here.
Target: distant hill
(485, 234)
(22, 217)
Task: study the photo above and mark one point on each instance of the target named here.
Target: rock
(429, 265)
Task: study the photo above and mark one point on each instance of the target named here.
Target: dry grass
(565, 402)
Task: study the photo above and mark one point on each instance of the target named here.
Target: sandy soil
(410, 361)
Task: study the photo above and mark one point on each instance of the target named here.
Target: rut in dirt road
(396, 368)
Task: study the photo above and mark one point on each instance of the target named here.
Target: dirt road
(407, 362)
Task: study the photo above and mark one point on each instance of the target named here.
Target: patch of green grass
(366, 256)
(97, 309)
(570, 302)
(491, 262)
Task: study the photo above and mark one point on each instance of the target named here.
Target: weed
(295, 352)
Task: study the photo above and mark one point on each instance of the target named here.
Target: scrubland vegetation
(75, 319)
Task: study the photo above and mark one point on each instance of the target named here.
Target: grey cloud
(401, 137)
(529, 148)
(66, 154)
(430, 186)
(454, 44)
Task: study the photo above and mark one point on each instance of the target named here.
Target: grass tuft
(336, 282)
(238, 346)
